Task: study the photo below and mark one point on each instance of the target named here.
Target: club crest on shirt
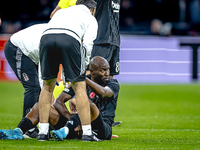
(66, 90)
(26, 78)
(92, 95)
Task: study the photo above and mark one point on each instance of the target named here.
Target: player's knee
(49, 84)
(79, 86)
(94, 111)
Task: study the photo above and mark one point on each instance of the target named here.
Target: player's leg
(114, 69)
(74, 66)
(99, 126)
(30, 121)
(114, 61)
(49, 61)
(73, 122)
(24, 125)
(102, 128)
(44, 108)
(82, 103)
(94, 110)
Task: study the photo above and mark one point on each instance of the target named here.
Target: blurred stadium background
(159, 38)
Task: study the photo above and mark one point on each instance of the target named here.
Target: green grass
(153, 116)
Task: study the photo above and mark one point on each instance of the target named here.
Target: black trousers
(27, 73)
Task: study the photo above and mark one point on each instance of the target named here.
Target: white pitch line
(155, 61)
(152, 49)
(54, 147)
(155, 73)
(155, 130)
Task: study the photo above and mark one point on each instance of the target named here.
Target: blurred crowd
(160, 17)
(139, 17)
(19, 14)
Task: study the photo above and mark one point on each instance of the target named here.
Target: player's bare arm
(60, 106)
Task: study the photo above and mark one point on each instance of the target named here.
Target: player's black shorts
(100, 126)
(110, 53)
(56, 49)
(102, 129)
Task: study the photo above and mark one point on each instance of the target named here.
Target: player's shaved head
(99, 70)
(97, 62)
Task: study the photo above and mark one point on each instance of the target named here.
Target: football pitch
(153, 116)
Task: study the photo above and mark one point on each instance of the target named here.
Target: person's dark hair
(91, 4)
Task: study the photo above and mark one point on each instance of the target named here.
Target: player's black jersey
(107, 15)
(106, 106)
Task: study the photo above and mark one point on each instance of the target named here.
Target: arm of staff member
(63, 4)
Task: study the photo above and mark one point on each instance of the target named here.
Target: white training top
(28, 41)
(78, 22)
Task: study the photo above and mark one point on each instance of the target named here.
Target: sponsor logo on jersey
(116, 6)
(92, 95)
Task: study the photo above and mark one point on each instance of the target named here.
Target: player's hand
(72, 105)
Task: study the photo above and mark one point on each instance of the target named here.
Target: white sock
(87, 130)
(43, 128)
(66, 130)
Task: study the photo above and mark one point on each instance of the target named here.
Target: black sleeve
(114, 86)
(69, 91)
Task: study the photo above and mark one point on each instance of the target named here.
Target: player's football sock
(43, 128)
(89, 138)
(43, 132)
(25, 124)
(15, 134)
(61, 134)
(73, 122)
(87, 129)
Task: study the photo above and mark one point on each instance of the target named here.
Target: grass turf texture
(153, 116)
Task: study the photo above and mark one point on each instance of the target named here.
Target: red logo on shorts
(26, 78)
(92, 95)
